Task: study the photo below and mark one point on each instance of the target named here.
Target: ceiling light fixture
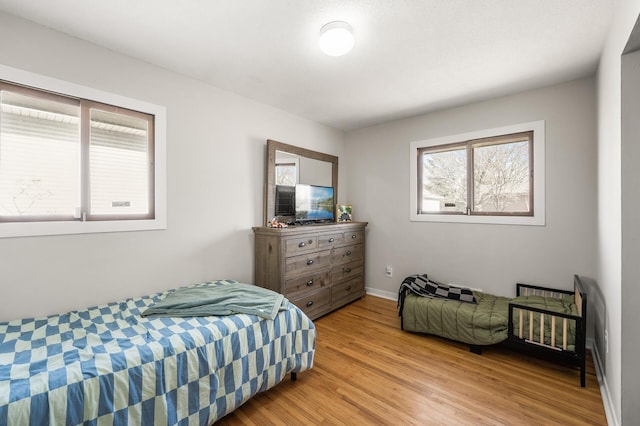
(336, 38)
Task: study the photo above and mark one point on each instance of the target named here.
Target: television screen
(314, 203)
(285, 200)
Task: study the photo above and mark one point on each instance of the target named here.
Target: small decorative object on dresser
(319, 268)
(344, 213)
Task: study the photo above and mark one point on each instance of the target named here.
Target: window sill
(538, 220)
(32, 229)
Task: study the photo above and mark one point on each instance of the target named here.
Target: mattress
(481, 323)
(109, 365)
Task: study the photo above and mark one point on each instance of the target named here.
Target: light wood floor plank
(368, 371)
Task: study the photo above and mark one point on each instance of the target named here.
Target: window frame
(88, 97)
(468, 141)
(87, 106)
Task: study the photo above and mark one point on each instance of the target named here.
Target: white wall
(216, 154)
(622, 395)
(630, 294)
(490, 257)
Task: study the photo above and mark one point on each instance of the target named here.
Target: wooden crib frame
(523, 340)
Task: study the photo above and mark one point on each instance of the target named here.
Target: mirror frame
(270, 186)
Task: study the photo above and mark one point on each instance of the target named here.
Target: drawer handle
(309, 303)
(348, 253)
(354, 236)
(347, 270)
(310, 262)
(331, 240)
(309, 283)
(348, 288)
(302, 244)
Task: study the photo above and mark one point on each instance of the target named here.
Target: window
(70, 164)
(481, 177)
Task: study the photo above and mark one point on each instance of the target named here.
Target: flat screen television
(314, 203)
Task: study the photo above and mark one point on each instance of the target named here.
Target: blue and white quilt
(109, 365)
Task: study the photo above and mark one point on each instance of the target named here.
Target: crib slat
(530, 325)
(521, 325)
(564, 334)
(553, 331)
(542, 329)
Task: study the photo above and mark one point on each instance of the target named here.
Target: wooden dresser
(319, 268)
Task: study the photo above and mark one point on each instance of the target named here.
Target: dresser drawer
(307, 262)
(354, 237)
(347, 271)
(330, 240)
(294, 246)
(296, 286)
(347, 254)
(347, 291)
(313, 302)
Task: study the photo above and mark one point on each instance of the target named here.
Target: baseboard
(381, 293)
(609, 409)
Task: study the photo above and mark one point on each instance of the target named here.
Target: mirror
(292, 164)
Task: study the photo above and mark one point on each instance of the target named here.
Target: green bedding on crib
(566, 305)
(482, 323)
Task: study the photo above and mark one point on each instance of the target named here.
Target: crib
(541, 321)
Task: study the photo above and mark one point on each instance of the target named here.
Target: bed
(110, 365)
(539, 320)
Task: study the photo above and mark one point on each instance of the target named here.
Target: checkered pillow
(423, 286)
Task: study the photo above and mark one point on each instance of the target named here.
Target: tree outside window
(489, 176)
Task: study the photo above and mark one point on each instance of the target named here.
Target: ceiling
(410, 57)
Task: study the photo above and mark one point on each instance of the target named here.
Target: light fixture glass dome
(336, 38)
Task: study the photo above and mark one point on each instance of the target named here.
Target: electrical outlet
(388, 271)
(606, 341)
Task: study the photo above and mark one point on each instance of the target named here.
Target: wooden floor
(368, 371)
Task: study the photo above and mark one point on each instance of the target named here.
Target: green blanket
(482, 323)
(221, 298)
